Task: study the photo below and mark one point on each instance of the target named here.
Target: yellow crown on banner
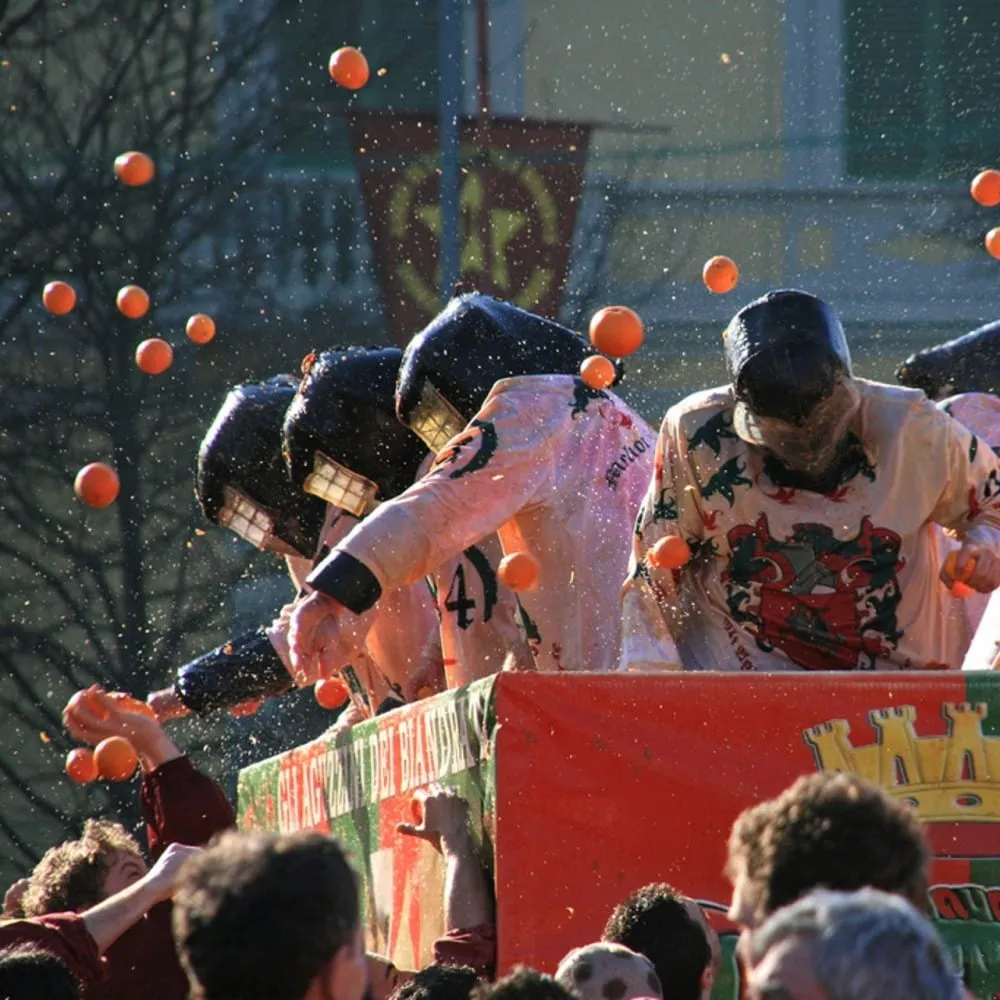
(947, 779)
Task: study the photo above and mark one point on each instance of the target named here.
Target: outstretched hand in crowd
(92, 716)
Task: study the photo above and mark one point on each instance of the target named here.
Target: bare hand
(444, 817)
(975, 565)
(167, 704)
(316, 637)
(91, 716)
(13, 896)
(165, 875)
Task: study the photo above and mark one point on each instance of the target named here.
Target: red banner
(519, 189)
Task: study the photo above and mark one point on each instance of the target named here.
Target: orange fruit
(331, 692)
(58, 297)
(993, 242)
(129, 703)
(519, 570)
(154, 356)
(200, 328)
(959, 588)
(671, 552)
(81, 766)
(116, 758)
(597, 372)
(89, 702)
(349, 68)
(985, 188)
(133, 301)
(134, 169)
(97, 484)
(720, 275)
(616, 331)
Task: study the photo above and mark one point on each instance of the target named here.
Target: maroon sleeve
(182, 806)
(64, 935)
(472, 946)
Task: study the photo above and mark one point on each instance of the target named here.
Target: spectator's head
(439, 982)
(834, 831)
(271, 917)
(607, 971)
(671, 931)
(80, 873)
(864, 945)
(523, 984)
(28, 973)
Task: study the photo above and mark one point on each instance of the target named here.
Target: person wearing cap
(808, 499)
(607, 971)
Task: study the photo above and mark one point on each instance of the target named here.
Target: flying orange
(985, 188)
(993, 242)
(349, 68)
(671, 552)
(597, 372)
(331, 692)
(200, 328)
(58, 297)
(81, 766)
(116, 759)
(519, 570)
(720, 275)
(134, 168)
(616, 331)
(97, 484)
(154, 356)
(133, 301)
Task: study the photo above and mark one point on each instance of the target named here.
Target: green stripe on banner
(968, 916)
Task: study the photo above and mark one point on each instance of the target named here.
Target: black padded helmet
(241, 481)
(785, 354)
(341, 437)
(450, 366)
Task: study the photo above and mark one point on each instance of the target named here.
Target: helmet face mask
(339, 486)
(434, 420)
(342, 440)
(241, 481)
(252, 522)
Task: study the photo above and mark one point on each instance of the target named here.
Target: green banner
(360, 783)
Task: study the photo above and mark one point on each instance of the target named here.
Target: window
(922, 78)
